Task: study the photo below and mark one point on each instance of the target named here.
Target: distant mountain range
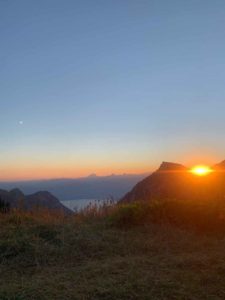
(95, 187)
(42, 199)
(173, 181)
(170, 181)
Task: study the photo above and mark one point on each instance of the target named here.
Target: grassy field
(51, 257)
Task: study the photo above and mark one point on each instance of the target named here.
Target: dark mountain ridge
(42, 199)
(175, 181)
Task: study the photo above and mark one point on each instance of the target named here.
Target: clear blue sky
(110, 86)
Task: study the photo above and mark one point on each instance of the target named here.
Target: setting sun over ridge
(201, 170)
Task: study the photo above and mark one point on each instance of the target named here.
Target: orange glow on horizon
(55, 172)
(28, 169)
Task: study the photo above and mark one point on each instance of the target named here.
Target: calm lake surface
(81, 203)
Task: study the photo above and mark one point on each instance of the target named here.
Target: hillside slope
(174, 181)
(42, 199)
(44, 259)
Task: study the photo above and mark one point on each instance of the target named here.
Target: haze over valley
(91, 187)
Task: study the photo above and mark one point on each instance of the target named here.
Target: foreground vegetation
(129, 252)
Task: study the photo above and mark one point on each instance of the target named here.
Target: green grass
(86, 257)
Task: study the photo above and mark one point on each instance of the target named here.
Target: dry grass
(45, 256)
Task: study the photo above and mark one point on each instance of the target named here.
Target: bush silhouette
(4, 206)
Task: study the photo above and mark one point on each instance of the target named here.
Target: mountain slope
(174, 181)
(42, 199)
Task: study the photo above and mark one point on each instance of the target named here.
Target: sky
(110, 86)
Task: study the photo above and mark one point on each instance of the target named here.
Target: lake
(81, 203)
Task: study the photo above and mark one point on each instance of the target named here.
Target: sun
(201, 170)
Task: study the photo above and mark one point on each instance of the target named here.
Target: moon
(21, 122)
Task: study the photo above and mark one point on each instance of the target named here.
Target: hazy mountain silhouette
(174, 181)
(42, 199)
(93, 186)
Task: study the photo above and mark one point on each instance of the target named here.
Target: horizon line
(73, 178)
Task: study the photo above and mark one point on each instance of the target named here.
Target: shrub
(202, 217)
(127, 215)
(4, 206)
